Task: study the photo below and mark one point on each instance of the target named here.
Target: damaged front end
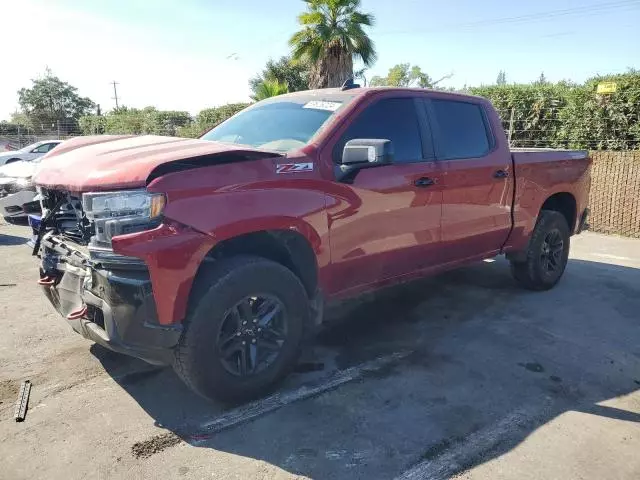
(104, 296)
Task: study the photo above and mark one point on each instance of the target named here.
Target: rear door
(386, 223)
(477, 179)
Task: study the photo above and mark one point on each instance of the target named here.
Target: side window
(44, 148)
(394, 119)
(463, 130)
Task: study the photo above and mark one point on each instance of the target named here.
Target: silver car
(30, 152)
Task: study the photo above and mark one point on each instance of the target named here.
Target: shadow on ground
(482, 349)
(12, 240)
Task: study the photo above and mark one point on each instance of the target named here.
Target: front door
(386, 223)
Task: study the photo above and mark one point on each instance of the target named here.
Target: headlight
(119, 213)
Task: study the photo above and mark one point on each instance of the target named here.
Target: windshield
(28, 148)
(281, 125)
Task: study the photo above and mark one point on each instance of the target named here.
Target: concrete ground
(462, 375)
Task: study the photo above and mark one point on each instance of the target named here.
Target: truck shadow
(482, 349)
(12, 240)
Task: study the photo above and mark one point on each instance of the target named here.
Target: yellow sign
(606, 88)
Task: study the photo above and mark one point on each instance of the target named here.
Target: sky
(193, 54)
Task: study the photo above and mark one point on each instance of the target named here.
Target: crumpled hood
(108, 162)
(21, 169)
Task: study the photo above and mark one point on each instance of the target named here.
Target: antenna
(348, 84)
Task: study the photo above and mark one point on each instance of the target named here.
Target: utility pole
(115, 92)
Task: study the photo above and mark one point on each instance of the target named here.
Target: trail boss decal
(294, 167)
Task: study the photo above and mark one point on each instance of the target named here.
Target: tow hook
(78, 313)
(47, 281)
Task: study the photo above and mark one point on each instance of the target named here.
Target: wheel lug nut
(244, 323)
(259, 330)
(239, 334)
(253, 341)
(244, 343)
(255, 320)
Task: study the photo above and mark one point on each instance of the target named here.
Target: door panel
(476, 206)
(385, 226)
(386, 223)
(477, 185)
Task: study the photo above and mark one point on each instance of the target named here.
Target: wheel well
(565, 203)
(11, 160)
(287, 247)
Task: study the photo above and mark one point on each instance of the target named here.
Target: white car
(30, 152)
(17, 191)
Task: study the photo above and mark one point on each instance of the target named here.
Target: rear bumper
(113, 306)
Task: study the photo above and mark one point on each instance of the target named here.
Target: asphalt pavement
(463, 374)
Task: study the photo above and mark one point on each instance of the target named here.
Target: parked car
(17, 190)
(216, 255)
(30, 152)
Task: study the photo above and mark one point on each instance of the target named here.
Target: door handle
(425, 182)
(501, 174)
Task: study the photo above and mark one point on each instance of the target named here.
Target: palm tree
(332, 36)
(269, 88)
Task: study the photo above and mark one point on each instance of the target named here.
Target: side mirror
(362, 153)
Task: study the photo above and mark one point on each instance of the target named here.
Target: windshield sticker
(323, 105)
(294, 167)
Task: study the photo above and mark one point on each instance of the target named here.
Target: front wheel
(244, 330)
(547, 253)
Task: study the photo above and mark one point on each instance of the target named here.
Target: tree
(51, 103)
(502, 78)
(268, 88)
(292, 74)
(542, 80)
(332, 36)
(405, 75)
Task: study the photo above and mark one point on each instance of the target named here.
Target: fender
(537, 180)
(210, 204)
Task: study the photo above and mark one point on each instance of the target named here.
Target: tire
(232, 288)
(542, 269)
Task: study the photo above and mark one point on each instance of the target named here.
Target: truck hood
(108, 162)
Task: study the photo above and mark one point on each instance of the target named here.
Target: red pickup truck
(216, 255)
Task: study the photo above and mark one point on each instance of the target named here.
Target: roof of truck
(341, 94)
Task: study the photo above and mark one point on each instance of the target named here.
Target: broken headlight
(122, 212)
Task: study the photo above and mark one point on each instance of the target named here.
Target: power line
(527, 18)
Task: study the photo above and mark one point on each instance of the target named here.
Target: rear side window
(463, 130)
(394, 119)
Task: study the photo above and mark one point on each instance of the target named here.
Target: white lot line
(278, 400)
(612, 257)
(457, 457)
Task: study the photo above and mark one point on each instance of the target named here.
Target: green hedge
(568, 115)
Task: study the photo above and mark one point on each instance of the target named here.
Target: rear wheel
(547, 253)
(244, 330)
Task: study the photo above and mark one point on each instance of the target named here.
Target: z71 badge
(294, 167)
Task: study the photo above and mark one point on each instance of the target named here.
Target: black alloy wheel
(552, 249)
(252, 334)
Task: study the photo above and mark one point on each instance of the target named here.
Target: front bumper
(112, 305)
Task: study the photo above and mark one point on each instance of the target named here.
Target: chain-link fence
(615, 193)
